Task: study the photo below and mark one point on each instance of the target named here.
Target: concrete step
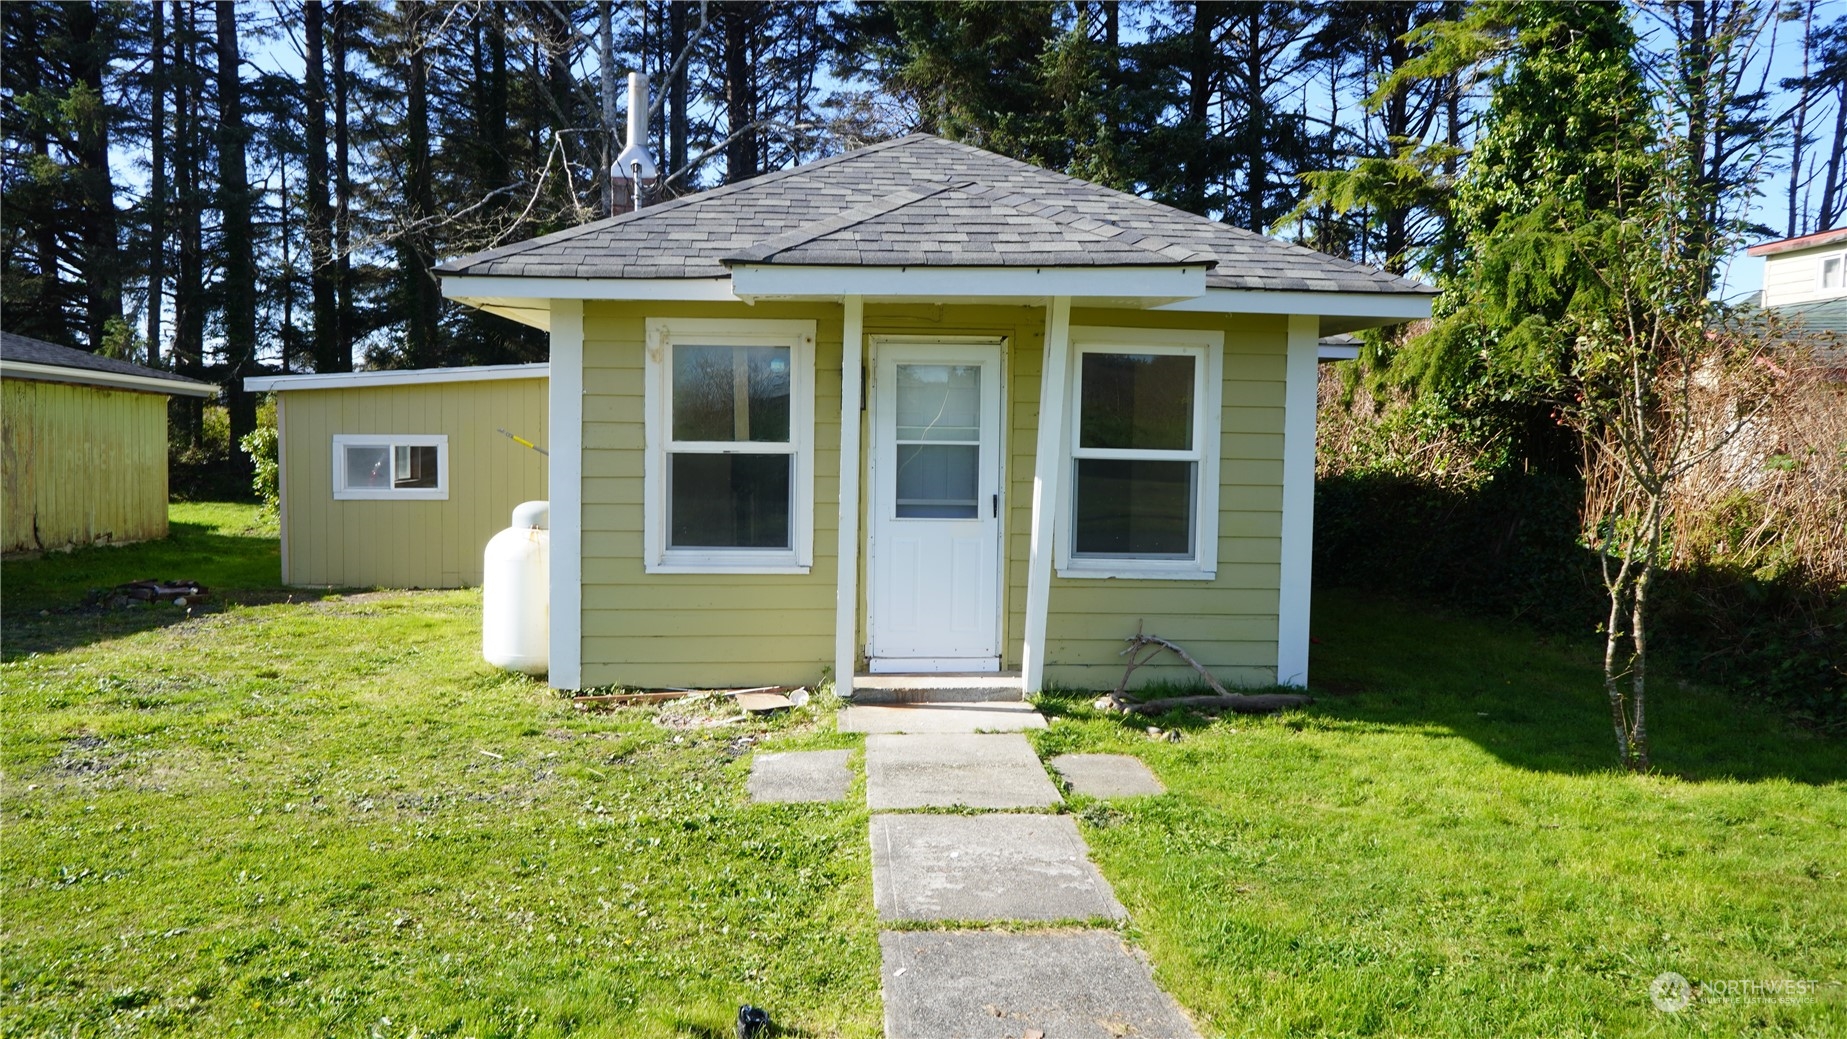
(991, 687)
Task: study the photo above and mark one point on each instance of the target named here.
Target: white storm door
(934, 568)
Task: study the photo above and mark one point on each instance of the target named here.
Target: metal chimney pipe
(634, 165)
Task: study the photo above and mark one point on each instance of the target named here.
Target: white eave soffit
(527, 300)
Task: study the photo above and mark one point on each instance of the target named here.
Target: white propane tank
(516, 592)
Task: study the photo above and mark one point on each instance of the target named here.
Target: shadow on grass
(51, 602)
(1534, 702)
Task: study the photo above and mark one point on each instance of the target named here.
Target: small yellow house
(398, 478)
(919, 408)
(85, 446)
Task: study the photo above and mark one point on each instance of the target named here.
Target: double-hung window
(1141, 495)
(1833, 269)
(370, 466)
(729, 464)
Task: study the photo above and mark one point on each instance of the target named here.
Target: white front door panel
(935, 533)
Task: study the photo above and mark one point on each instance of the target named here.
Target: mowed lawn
(326, 816)
(329, 817)
(1440, 847)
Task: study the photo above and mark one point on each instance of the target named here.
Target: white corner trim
(1047, 473)
(754, 281)
(396, 377)
(282, 487)
(846, 559)
(1387, 306)
(498, 289)
(110, 380)
(566, 436)
(1298, 533)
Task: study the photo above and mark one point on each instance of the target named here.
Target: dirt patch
(84, 755)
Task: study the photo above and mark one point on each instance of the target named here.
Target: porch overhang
(527, 300)
(1337, 311)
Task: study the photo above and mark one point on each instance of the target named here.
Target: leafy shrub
(262, 444)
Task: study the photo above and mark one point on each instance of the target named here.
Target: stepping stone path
(986, 867)
(971, 869)
(955, 770)
(1107, 775)
(802, 775)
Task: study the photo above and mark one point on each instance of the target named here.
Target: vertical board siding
(1229, 624)
(711, 630)
(83, 465)
(409, 544)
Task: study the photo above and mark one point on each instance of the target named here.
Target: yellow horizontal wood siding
(408, 544)
(713, 630)
(1229, 623)
(709, 630)
(83, 465)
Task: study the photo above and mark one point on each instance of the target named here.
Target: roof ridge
(457, 264)
(1148, 203)
(762, 251)
(1069, 217)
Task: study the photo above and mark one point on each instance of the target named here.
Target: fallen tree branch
(1240, 703)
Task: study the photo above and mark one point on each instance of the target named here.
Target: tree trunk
(606, 43)
(415, 257)
(1198, 109)
(344, 324)
(189, 272)
(742, 156)
(157, 188)
(235, 206)
(1256, 114)
(676, 88)
(319, 216)
(101, 258)
(1832, 190)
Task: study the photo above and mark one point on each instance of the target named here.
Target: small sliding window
(378, 467)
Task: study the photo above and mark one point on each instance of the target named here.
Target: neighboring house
(85, 446)
(1805, 286)
(398, 478)
(1069, 414)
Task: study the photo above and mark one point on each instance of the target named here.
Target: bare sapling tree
(1645, 362)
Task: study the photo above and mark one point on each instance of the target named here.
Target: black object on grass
(753, 1022)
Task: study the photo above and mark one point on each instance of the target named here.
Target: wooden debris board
(759, 703)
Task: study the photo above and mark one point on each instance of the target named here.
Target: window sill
(388, 495)
(783, 565)
(1131, 572)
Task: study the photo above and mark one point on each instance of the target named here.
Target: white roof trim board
(397, 377)
(23, 357)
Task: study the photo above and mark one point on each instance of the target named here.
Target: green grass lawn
(331, 818)
(328, 817)
(1440, 847)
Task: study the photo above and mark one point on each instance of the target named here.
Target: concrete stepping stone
(801, 775)
(955, 770)
(986, 867)
(1107, 775)
(940, 717)
(984, 984)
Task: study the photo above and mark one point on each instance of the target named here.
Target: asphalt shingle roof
(921, 201)
(27, 350)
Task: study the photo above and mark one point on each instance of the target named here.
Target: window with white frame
(1141, 498)
(369, 466)
(730, 426)
(1834, 272)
